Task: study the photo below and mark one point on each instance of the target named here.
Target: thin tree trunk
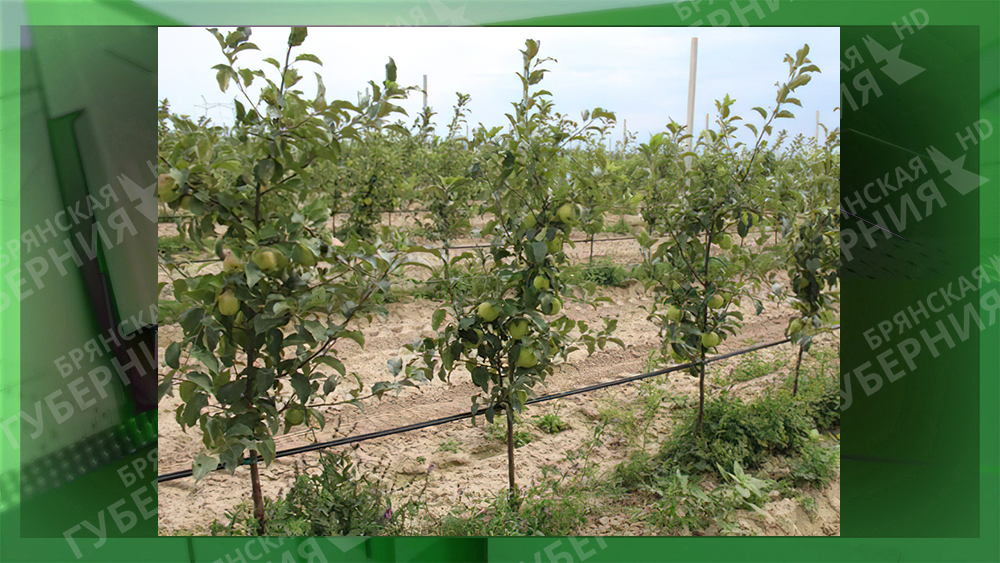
(591, 247)
(701, 393)
(798, 363)
(258, 497)
(510, 451)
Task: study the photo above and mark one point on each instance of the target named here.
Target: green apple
(565, 213)
(556, 307)
(716, 301)
(541, 283)
(529, 221)
(725, 242)
(710, 340)
(518, 329)
(673, 314)
(554, 245)
(488, 312)
(368, 201)
(166, 188)
(795, 326)
(295, 416)
(228, 304)
(526, 359)
(265, 259)
(231, 263)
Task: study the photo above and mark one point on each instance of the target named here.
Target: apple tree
(698, 270)
(259, 355)
(508, 332)
(812, 231)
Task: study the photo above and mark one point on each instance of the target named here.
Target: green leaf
(297, 36)
(310, 58)
(761, 111)
(302, 387)
(231, 392)
(201, 380)
(390, 70)
(172, 357)
(333, 363)
(208, 359)
(254, 274)
(263, 171)
(537, 252)
(203, 465)
(266, 450)
(437, 318)
(481, 377)
(223, 76)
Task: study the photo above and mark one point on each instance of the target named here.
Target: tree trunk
(798, 363)
(510, 451)
(701, 393)
(258, 497)
(591, 248)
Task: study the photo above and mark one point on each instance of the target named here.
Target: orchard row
(259, 347)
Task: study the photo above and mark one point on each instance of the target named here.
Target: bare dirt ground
(478, 467)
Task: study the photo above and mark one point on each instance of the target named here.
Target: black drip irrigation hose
(462, 416)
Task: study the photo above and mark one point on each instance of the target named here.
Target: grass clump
(540, 511)
(738, 432)
(336, 501)
(551, 423)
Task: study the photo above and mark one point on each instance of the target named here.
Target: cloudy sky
(639, 73)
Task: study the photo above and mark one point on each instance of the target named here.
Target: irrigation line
(462, 416)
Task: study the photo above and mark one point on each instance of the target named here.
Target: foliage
(541, 511)
(508, 335)
(551, 423)
(256, 333)
(718, 194)
(336, 501)
(816, 464)
(738, 432)
(450, 445)
(684, 503)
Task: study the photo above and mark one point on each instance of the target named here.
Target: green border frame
(983, 14)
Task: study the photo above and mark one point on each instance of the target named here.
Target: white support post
(690, 112)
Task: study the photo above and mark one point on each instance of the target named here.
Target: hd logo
(890, 63)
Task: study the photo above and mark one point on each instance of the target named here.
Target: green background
(920, 457)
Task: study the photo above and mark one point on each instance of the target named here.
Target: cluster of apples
(518, 328)
(708, 339)
(271, 261)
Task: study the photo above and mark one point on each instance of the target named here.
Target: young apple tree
(256, 333)
(508, 332)
(699, 272)
(812, 230)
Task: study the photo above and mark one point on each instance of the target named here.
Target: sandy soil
(479, 466)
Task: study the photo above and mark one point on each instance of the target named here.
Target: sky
(641, 74)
